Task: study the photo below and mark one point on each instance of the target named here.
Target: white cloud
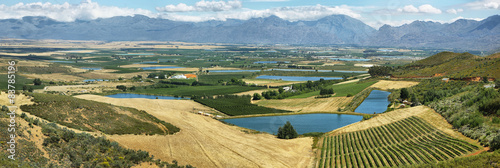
(269, 0)
(202, 6)
(409, 9)
(421, 9)
(87, 10)
(287, 13)
(484, 4)
(454, 11)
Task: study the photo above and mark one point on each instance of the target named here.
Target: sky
(375, 13)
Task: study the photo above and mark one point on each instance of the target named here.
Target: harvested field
(55, 77)
(205, 142)
(271, 83)
(307, 104)
(103, 74)
(386, 85)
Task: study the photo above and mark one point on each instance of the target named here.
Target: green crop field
(341, 90)
(214, 78)
(197, 90)
(236, 105)
(405, 142)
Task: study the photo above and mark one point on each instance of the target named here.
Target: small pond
(95, 69)
(299, 70)
(224, 71)
(349, 59)
(297, 78)
(270, 62)
(375, 102)
(160, 67)
(131, 95)
(94, 80)
(303, 123)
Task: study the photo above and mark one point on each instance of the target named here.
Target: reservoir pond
(303, 123)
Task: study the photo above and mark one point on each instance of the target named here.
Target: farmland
(236, 105)
(89, 115)
(189, 91)
(405, 142)
(341, 90)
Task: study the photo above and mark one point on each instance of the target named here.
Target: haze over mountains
(335, 29)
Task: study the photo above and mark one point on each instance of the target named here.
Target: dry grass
(205, 142)
(102, 74)
(55, 77)
(307, 104)
(386, 85)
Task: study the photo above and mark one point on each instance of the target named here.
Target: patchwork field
(205, 142)
(386, 85)
(307, 104)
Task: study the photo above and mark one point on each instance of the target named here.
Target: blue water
(63, 61)
(146, 62)
(375, 102)
(270, 62)
(131, 95)
(299, 70)
(297, 78)
(349, 59)
(303, 123)
(351, 71)
(93, 80)
(160, 67)
(95, 69)
(221, 71)
(137, 54)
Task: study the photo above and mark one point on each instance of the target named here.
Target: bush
(37, 82)
(287, 131)
(495, 143)
(122, 87)
(257, 96)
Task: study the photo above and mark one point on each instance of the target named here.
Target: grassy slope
(341, 90)
(92, 116)
(198, 90)
(455, 65)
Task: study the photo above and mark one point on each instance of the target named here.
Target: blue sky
(372, 12)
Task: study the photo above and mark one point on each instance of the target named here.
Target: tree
(495, 143)
(404, 94)
(195, 83)
(122, 87)
(256, 96)
(37, 81)
(281, 90)
(287, 131)
(132, 88)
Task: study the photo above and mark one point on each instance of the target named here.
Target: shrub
(287, 131)
(37, 82)
(122, 87)
(257, 96)
(495, 143)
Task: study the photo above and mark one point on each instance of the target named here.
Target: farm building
(179, 77)
(189, 76)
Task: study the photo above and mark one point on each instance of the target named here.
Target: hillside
(452, 65)
(89, 115)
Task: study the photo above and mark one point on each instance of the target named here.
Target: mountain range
(335, 29)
